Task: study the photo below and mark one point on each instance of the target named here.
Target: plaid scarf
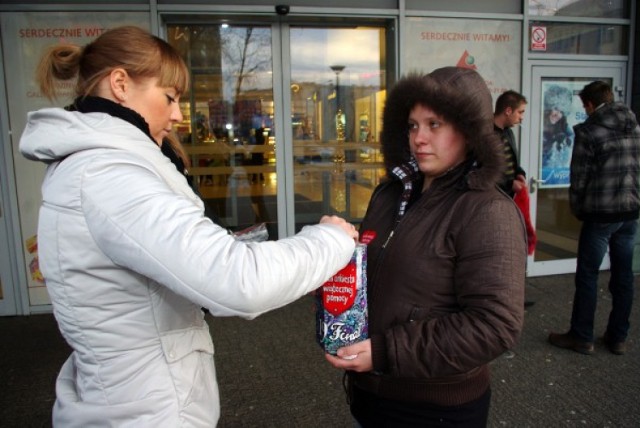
(407, 173)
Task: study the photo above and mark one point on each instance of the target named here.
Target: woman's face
(436, 145)
(555, 116)
(158, 106)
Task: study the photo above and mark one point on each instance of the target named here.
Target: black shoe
(568, 341)
(529, 303)
(617, 348)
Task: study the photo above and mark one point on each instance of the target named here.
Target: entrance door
(282, 118)
(229, 129)
(555, 108)
(337, 90)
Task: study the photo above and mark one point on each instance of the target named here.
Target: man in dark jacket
(509, 112)
(510, 108)
(605, 195)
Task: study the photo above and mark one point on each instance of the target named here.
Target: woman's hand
(356, 357)
(339, 221)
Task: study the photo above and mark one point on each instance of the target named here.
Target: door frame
(12, 302)
(8, 304)
(614, 70)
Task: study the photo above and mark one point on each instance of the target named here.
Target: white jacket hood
(69, 132)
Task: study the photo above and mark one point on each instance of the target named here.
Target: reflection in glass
(556, 227)
(561, 109)
(585, 39)
(341, 120)
(337, 95)
(228, 121)
(584, 8)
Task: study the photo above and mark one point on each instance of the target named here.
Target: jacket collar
(91, 104)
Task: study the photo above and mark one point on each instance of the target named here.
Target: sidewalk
(272, 374)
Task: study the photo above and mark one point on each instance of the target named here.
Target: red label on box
(339, 292)
(367, 236)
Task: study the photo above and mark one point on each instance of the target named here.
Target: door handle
(533, 184)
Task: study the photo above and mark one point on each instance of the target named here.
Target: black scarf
(90, 104)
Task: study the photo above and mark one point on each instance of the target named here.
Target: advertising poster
(25, 36)
(561, 110)
(492, 48)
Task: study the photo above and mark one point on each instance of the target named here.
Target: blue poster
(561, 110)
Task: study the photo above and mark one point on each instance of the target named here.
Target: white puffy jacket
(129, 259)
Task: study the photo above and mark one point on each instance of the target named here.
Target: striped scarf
(407, 173)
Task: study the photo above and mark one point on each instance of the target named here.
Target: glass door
(283, 114)
(338, 87)
(555, 108)
(228, 130)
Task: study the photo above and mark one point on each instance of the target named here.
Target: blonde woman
(128, 257)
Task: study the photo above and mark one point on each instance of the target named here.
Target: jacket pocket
(189, 356)
(179, 343)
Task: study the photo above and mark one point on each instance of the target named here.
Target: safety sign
(538, 38)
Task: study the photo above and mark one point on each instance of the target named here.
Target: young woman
(128, 257)
(446, 266)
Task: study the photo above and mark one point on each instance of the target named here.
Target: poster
(25, 35)
(561, 110)
(490, 47)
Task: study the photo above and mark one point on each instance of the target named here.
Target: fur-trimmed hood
(462, 98)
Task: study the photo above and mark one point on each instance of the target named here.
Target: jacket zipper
(384, 246)
(389, 237)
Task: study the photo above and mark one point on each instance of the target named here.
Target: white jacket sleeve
(143, 225)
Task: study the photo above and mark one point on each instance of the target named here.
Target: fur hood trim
(462, 98)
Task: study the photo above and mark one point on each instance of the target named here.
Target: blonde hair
(133, 49)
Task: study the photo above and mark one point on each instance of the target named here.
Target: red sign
(339, 292)
(538, 38)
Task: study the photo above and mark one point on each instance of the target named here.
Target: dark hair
(509, 99)
(597, 93)
(140, 53)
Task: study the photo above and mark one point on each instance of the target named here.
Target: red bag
(521, 199)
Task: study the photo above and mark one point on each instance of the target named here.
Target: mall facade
(283, 117)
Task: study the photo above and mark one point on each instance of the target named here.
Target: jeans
(592, 246)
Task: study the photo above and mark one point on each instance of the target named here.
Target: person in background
(128, 257)
(257, 155)
(446, 266)
(604, 194)
(509, 111)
